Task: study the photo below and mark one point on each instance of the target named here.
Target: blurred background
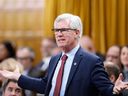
(27, 22)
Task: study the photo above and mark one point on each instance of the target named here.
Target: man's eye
(63, 30)
(9, 89)
(56, 30)
(18, 91)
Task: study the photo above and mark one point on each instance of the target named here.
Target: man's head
(113, 54)
(25, 55)
(46, 46)
(87, 44)
(68, 31)
(112, 70)
(11, 88)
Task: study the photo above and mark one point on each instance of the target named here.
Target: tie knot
(64, 57)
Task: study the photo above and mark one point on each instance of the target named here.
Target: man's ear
(77, 33)
(112, 78)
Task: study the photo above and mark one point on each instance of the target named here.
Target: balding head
(87, 44)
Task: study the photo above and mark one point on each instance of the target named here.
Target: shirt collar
(72, 52)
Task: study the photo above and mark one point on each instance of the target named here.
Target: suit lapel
(75, 65)
(53, 64)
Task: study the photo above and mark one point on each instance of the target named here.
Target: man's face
(12, 89)
(23, 56)
(87, 44)
(113, 55)
(46, 46)
(66, 40)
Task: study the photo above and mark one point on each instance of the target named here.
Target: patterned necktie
(59, 77)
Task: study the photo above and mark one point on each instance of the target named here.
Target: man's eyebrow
(10, 88)
(18, 88)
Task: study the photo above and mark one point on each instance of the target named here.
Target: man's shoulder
(86, 54)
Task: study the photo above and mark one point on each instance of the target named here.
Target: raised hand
(120, 85)
(11, 75)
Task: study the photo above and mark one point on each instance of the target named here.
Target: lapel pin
(75, 63)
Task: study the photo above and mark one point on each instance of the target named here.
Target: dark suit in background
(34, 72)
(100, 55)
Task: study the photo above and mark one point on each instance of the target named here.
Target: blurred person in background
(113, 55)
(87, 44)
(10, 88)
(112, 70)
(9, 64)
(25, 55)
(124, 62)
(6, 50)
(46, 47)
(55, 50)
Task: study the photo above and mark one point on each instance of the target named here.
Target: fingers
(126, 83)
(120, 89)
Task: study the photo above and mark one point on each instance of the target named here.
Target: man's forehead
(13, 85)
(64, 23)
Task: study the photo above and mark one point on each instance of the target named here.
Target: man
(10, 88)
(113, 55)
(83, 74)
(25, 55)
(46, 47)
(87, 44)
(112, 70)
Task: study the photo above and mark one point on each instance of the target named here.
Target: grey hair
(32, 54)
(75, 22)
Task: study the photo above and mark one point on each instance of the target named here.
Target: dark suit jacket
(100, 55)
(35, 73)
(87, 78)
(39, 65)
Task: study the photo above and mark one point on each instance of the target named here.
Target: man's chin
(60, 46)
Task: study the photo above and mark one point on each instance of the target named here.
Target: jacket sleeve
(33, 84)
(100, 79)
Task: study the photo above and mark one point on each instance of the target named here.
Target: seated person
(46, 47)
(113, 55)
(112, 70)
(11, 88)
(87, 44)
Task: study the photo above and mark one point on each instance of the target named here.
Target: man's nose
(13, 93)
(110, 58)
(59, 32)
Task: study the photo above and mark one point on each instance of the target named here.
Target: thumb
(120, 76)
(17, 69)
